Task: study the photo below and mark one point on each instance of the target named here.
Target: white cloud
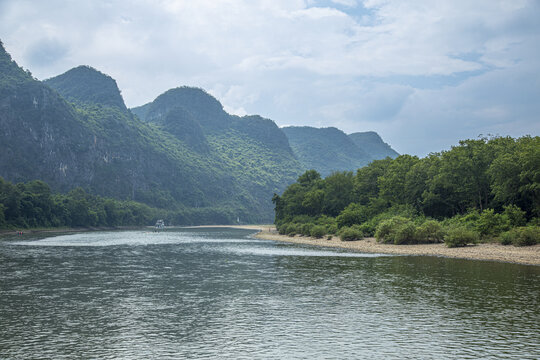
(422, 73)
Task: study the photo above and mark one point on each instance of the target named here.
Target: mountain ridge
(182, 151)
(329, 149)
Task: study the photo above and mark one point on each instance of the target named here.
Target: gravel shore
(528, 255)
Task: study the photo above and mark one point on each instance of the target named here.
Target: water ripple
(213, 294)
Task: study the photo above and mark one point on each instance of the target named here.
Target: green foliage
(405, 234)
(430, 231)
(292, 229)
(183, 154)
(514, 215)
(521, 236)
(326, 149)
(352, 214)
(481, 188)
(460, 236)
(387, 229)
(350, 233)
(305, 229)
(491, 224)
(318, 231)
(33, 205)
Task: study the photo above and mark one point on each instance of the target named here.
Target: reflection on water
(218, 293)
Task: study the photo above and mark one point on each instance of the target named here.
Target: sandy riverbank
(528, 255)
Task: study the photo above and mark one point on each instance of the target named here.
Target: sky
(424, 74)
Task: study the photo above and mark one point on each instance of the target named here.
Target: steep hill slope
(330, 149)
(325, 150)
(191, 156)
(252, 150)
(41, 136)
(372, 144)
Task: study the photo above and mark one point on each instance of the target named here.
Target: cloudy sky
(423, 74)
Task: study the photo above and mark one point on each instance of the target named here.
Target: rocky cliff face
(181, 151)
(75, 130)
(40, 135)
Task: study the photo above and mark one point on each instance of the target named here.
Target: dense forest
(481, 190)
(34, 205)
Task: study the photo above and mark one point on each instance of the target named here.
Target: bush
(351, 215)
(507, 237)
(460, 236)
(292, 229)
(305, 229)
(491, 224)
(386, 230)
(430, 231)
(528, 236)
(515, 216)
(368, 228)
(318, 231)
(521, 236)
(350, 234)
(282, 228)
(329, 222)
(405, 234)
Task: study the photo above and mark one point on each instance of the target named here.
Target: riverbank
(31, 233)
(527, 255)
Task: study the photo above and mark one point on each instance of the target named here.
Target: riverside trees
(482, 185)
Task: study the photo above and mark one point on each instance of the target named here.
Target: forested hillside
(373, 145)
(74, 130)
(479, 190)
(329, 149)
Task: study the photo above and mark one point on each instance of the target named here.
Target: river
(218, 293)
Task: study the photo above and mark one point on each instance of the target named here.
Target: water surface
(218, 293)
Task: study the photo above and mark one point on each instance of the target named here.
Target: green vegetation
(480, 190)
(330, 149)
(32, 205)
(181, 154)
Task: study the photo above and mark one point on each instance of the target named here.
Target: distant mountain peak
(206, 109)
(10, 72)
(325, 149)
(373, 144)
(84, 84)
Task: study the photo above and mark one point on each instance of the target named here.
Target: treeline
(33, 205)
(485, 189)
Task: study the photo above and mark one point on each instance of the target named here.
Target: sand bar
(527, 255)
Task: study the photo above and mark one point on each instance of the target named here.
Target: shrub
(350, 234)
(386, 230)
(507, 237)
(368, 228)
(282, 228)
(351, 215)
(292, 229)
(515, 216)
(491, 224)
(430, 231)
(329, 222)
(405, 234)
(460, 236)
(305, 229)
(521, 236)
(318, 231)
(329, 237)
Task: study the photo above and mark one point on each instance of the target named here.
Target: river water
(221, 294)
